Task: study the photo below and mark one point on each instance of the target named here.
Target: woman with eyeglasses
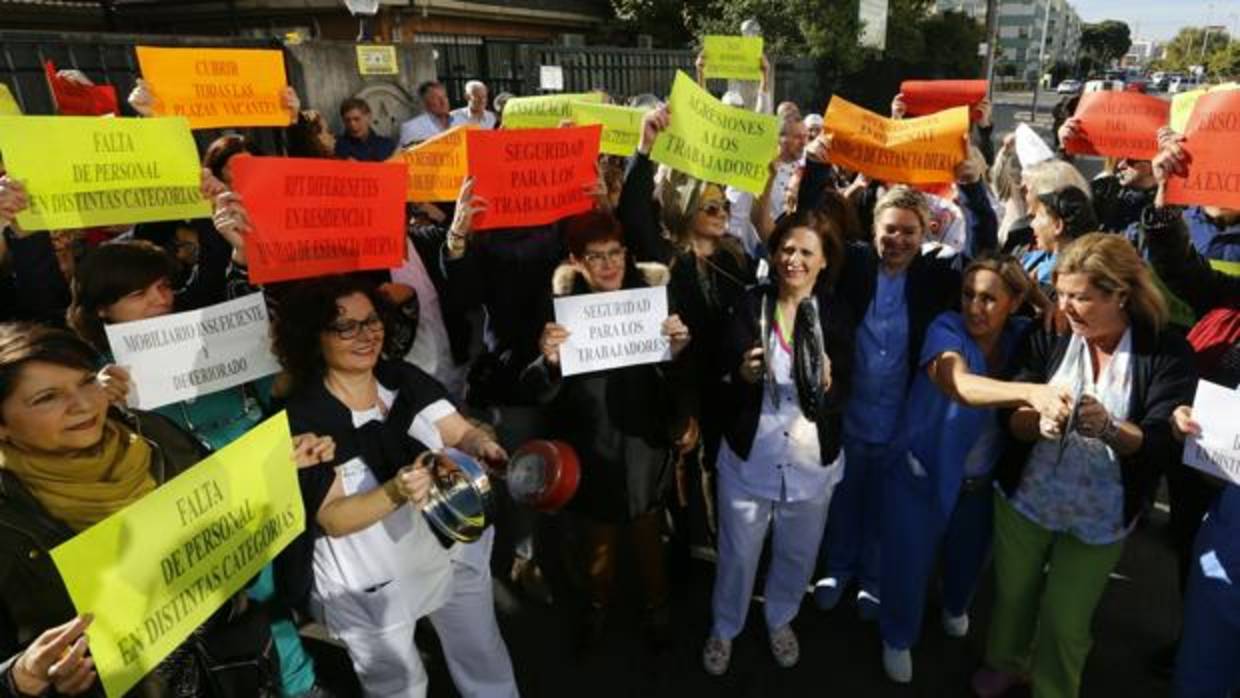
(1071, 489)
(623, 423)
(70, 462)
(369, 564)
(780, 460)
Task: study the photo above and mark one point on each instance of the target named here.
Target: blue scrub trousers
(913, 530)
(850, 547)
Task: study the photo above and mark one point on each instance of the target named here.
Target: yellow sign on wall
(377, 60)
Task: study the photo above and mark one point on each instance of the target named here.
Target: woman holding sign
(789, 346)
(69, 463)
(1071, 490)
(370, 564)
(622, 422)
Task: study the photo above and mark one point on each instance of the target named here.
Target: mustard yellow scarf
(83, 488)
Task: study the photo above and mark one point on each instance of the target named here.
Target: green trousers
(1047, 586)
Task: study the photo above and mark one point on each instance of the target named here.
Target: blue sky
(1160, 19)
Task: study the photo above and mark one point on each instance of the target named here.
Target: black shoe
(658, 628)
(593, 628)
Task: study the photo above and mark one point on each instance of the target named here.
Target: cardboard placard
(186, 355)
(923, 97)
(8, 105)
(532, 176)
(546, 111)
(84, 171)
(622, 126)
(732, 57)
(157, 569)
(73, 99)
(217, 87)
(437, 166)
(1217, 450)
(911, 151)
(714, 142)
(315, 217)
(612, 329)
(1210, 140)
(1119, 125)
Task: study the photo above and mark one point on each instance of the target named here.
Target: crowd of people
(877, 382)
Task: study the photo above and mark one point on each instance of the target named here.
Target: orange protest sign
(436, 166)
(1119, 125)
(911, 151)
(930, 96)
(217, 87)
(532, 176)
(313, 217)
(1210, 139)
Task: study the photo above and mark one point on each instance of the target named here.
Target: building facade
(1021, 24)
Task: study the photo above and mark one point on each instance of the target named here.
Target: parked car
(1183, 84)
(1135, 86)
(1069, 87)
(1104, 85)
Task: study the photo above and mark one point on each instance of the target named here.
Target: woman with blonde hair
(939, 497)
(1071, 488)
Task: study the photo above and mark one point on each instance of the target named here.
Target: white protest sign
(1217, 450)
(198, 352)
(612, 329)
(1030, 148)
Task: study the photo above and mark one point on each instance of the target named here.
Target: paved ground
(839, 653)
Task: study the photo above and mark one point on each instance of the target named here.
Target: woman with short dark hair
(369, 563)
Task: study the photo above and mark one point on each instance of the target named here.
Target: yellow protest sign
(735, 57)
(437, 166)
(714, 142)
(8, 105)
(377, 60)
(154, 571)
(1183, 103)
(217, 87)
(622, 126)
(83, 171)
(546, 111)
(924, 150)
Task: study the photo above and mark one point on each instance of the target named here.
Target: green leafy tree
(1106, 41)
(1197, 46)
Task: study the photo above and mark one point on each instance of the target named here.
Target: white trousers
(743, 523)
(378, 626)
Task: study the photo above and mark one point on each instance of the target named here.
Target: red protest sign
(532, 176)
(315, 217)
(1119, 125)
(1210, 139)
(930, 96)
(73, 99)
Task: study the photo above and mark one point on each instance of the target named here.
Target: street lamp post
(1037, 82)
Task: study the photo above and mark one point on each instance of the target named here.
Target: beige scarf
(85, 487)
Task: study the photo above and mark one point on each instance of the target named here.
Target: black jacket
(622, 422)
(33, 597)
(836, 320)
(1162, 379)
(932, 286)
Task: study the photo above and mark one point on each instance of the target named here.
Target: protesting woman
(896, 290)
(623, 424)
(69, 463)
(369, 562)
(1073, 489)
(1059, 217)
(789, 349)
(939, 497)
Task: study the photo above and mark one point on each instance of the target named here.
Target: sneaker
(716, 656)
(956, 626)
(867, 605)
(898, 664)
(528, 577)
(785, 647)
(827, 592)
(992, 683)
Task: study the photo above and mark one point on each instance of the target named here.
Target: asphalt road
(840, 654)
